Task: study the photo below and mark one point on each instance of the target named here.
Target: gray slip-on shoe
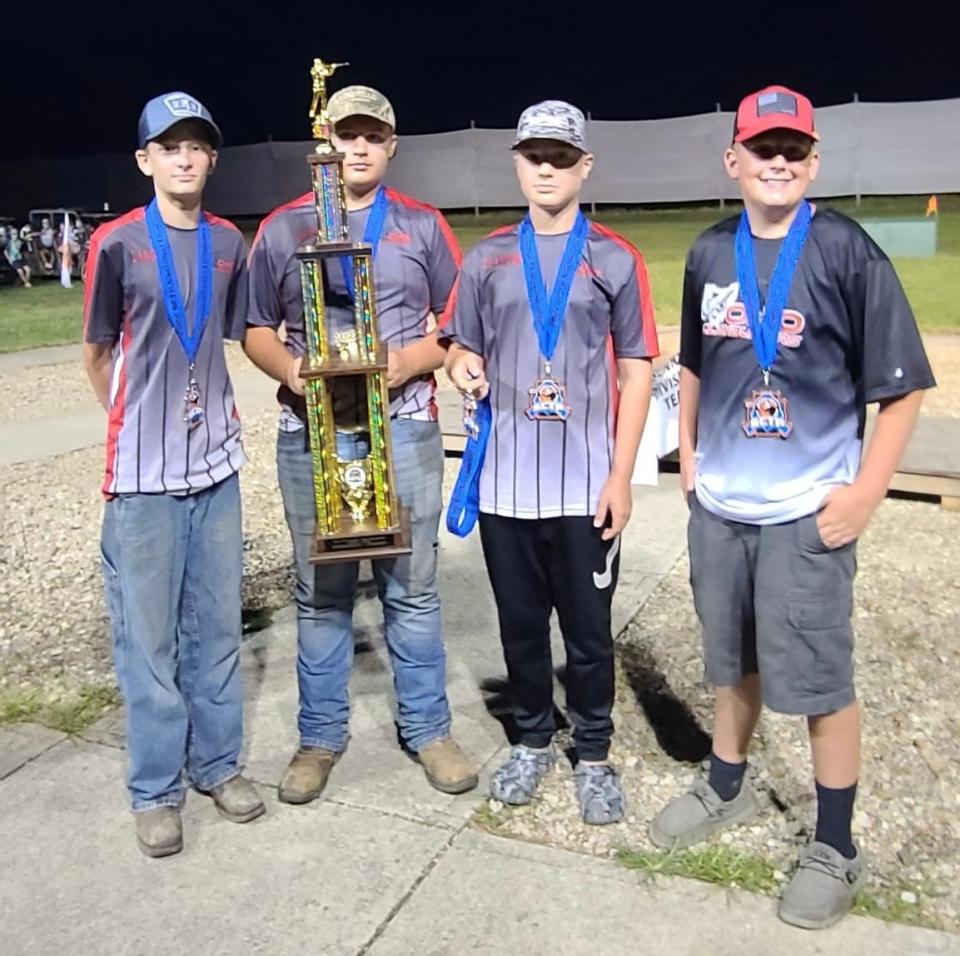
(698, 813)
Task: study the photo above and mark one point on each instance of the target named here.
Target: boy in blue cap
(166, 285)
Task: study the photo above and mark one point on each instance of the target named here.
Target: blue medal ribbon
(371, 236)
(464, 507)
(549, 314)
(765, 324)
(548, 317)
(189, 336)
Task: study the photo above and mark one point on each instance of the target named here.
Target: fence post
(722, 202)
(593, 205)
(476, 191)
(856, 154)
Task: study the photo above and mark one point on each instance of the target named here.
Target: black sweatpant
(536, 565)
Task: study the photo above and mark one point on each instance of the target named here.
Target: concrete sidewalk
(382, 864)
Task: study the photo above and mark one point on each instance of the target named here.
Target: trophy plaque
(358, 514)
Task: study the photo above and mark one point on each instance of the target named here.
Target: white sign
(661, 434)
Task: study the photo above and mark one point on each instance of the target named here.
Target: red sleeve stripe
(219, 221)
(647, 318)
(93, 256)
(305, 200)
(117, 410)
(448, 234)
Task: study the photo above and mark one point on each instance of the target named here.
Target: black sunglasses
(792, 152)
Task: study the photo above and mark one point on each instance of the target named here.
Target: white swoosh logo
(601, 581)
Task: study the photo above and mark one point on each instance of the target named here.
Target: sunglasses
(557, 157)
(792, 151)
(374, 138)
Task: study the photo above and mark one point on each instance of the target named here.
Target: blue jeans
(407, 587)
(172, 568)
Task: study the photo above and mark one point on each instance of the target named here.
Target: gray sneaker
(517, 780)
(823, 888)
(699, 812)
(600, 794)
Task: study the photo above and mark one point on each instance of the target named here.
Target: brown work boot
(237, 800)
(159, 831)
(447, 767)
(307, 774)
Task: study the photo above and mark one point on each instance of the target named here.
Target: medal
(548, 393)
(767, 409)
(190, 338)
(548, 399)
(371, 237)
(470, 425)
(767, 413)
(192, 409)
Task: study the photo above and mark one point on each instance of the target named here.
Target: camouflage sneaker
(517, 780)
(823, 888)
(600, 794)
(699, 812)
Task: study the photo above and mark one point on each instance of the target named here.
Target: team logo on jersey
(182, 105)
(724, 315)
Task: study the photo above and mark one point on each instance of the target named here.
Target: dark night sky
(445, 64)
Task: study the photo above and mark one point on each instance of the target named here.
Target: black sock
(834, 816)
(726, 778)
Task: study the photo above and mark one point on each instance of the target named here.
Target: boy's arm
(616, 497)
(266, 350)
(102, 314)
(262, 343)
(894, 372)
(849, 508)
(98, 364)
(443, 261)
(417, 358)
(689, 407)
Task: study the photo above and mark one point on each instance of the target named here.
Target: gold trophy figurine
(320, 121)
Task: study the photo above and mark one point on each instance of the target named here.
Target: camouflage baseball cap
(360, 101)
(552, 119)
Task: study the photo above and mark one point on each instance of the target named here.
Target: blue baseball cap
(165, 110)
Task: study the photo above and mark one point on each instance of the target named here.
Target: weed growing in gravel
(711, 864)
(70, 714)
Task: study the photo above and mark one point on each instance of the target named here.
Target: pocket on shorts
(820, 658)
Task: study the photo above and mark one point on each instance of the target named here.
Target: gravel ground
(49, 560)
(908, 809)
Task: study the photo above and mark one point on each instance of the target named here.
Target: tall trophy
(358, 514)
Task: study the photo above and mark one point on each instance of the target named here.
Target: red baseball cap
(774, 107)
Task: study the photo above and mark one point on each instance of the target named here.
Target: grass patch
(490, 820)
(724, 866)
(71, 714)
(713, 864)
(48, 314)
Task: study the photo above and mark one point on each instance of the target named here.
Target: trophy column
(358, 512)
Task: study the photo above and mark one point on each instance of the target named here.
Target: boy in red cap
(793, 320)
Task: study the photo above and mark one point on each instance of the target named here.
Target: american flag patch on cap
(777, 102)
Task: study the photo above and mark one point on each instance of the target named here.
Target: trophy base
(363, 540)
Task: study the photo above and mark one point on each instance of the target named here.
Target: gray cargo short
(774, 600)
